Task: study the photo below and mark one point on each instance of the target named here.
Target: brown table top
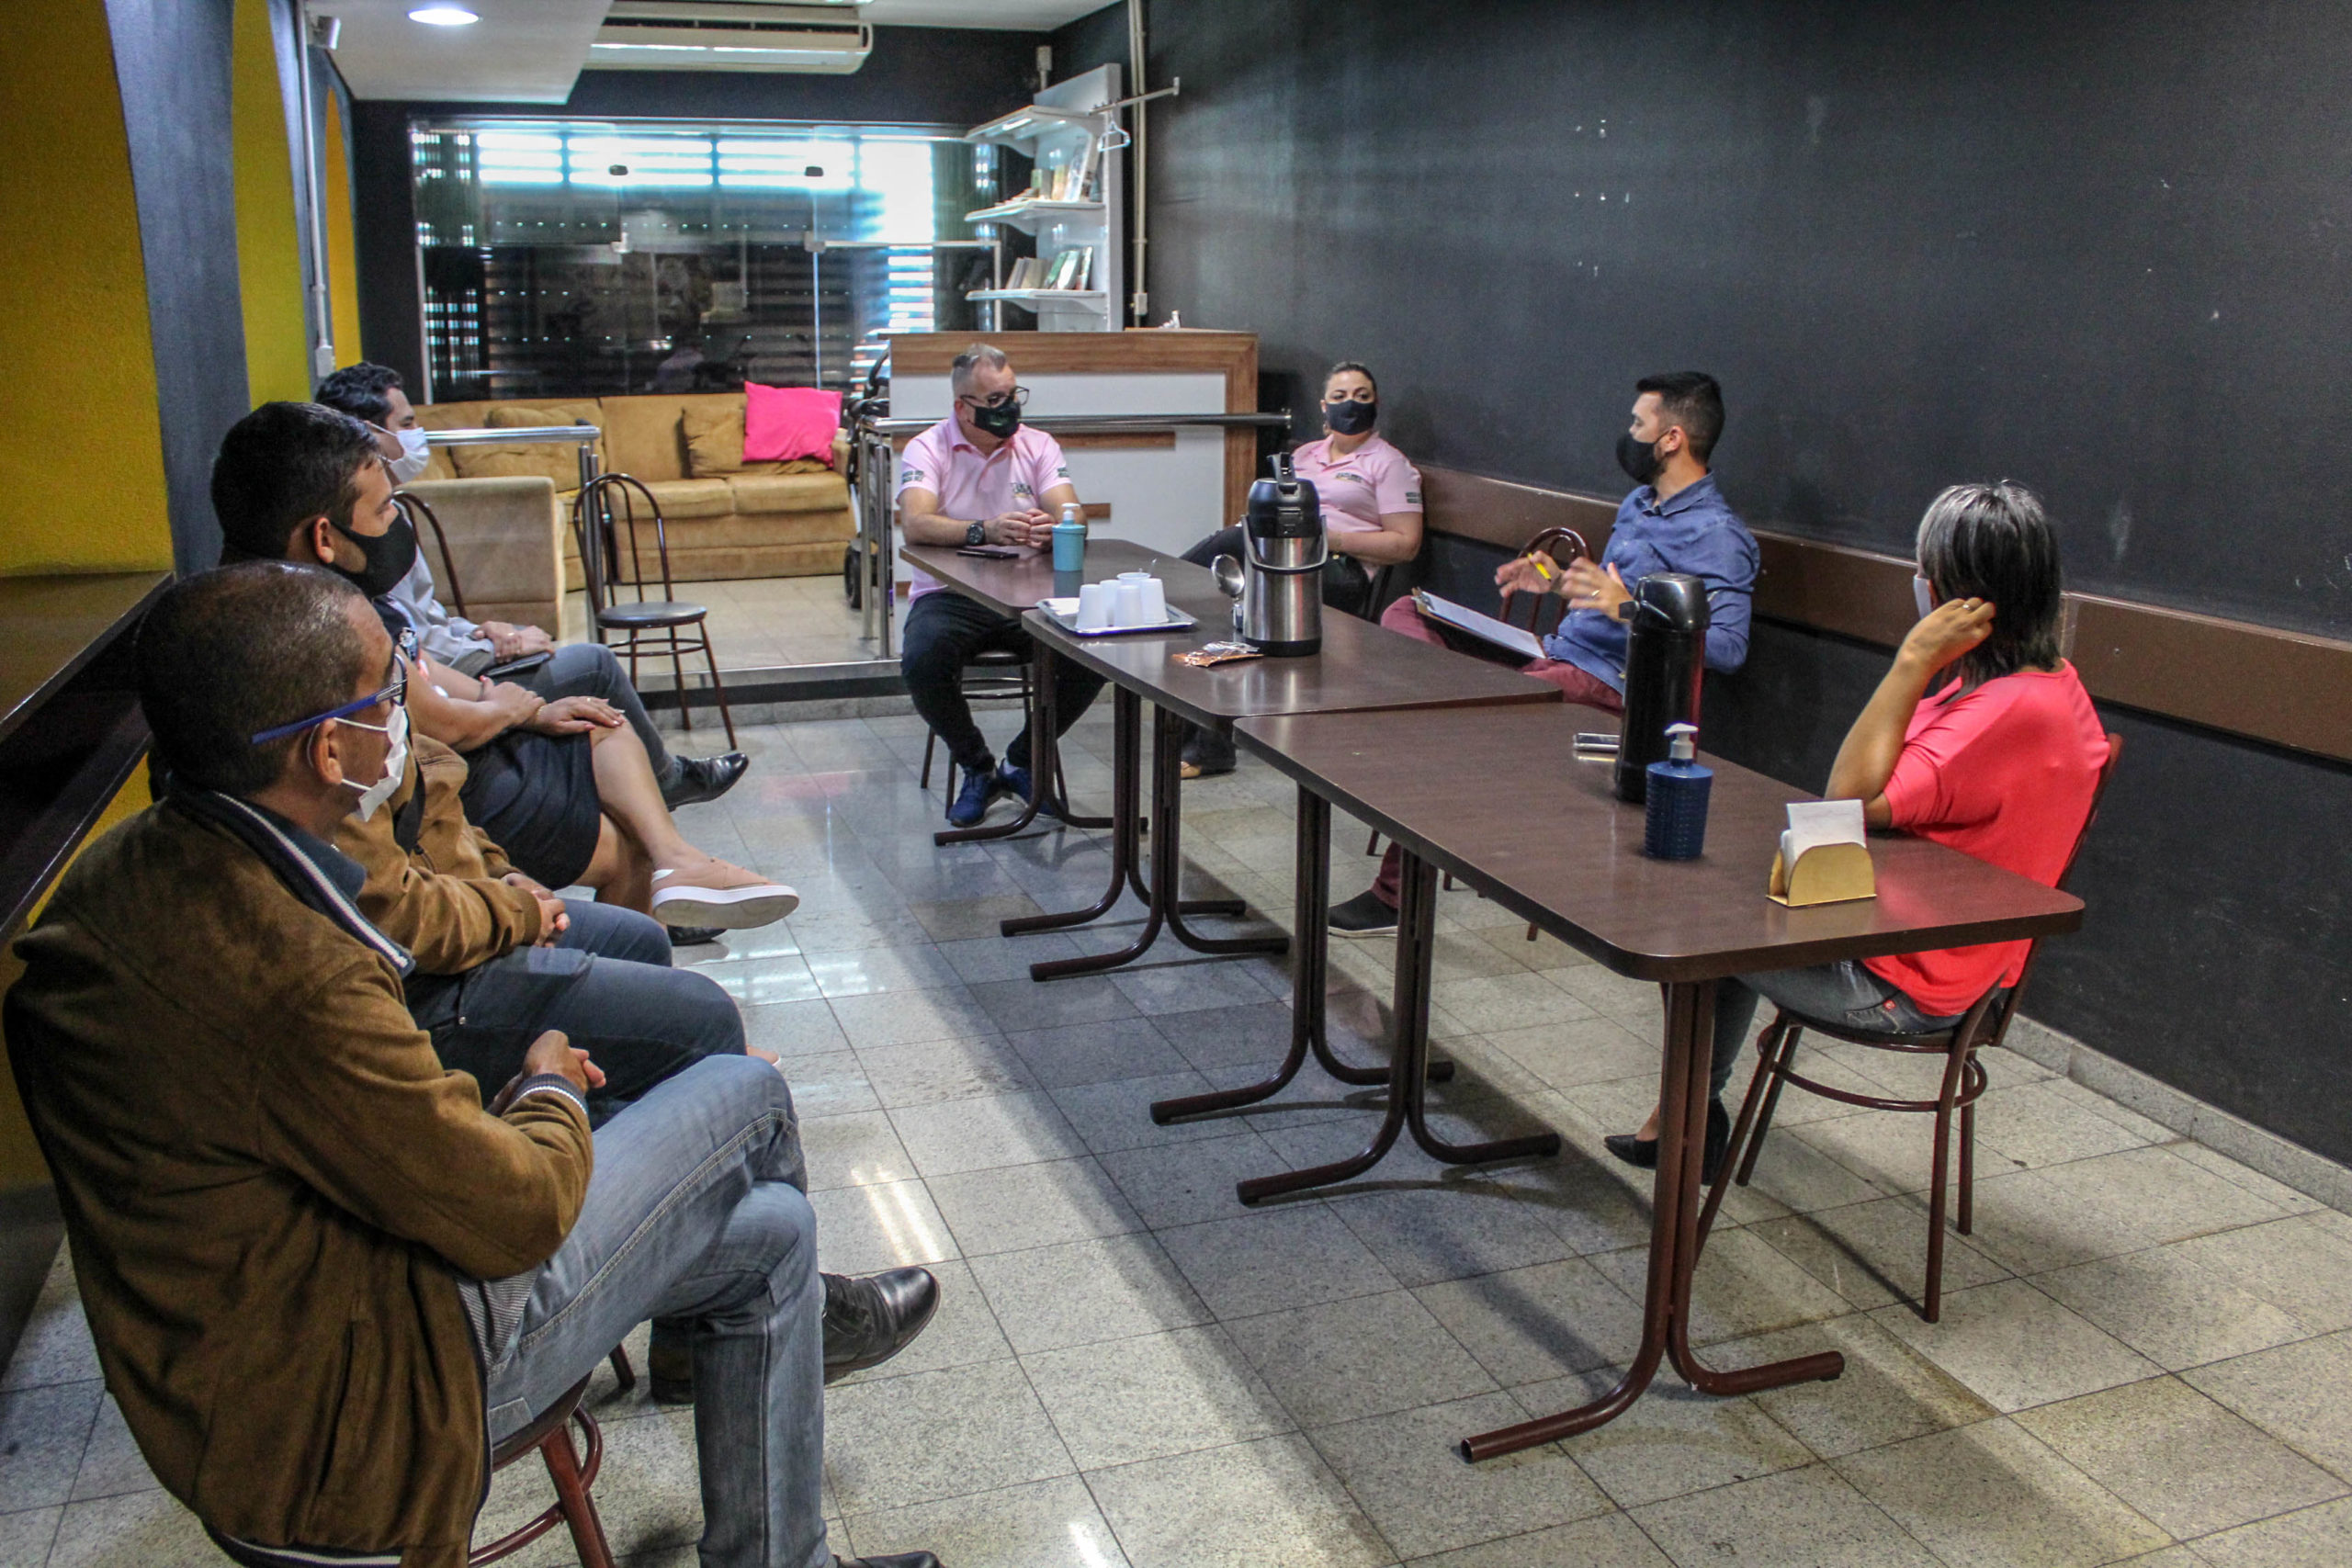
(1012, 587)
(1362, 666)
(1495, 796)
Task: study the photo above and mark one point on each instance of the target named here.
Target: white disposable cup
(1134, 577)
(1155, 601)
(1093, 606)
(1130, 607)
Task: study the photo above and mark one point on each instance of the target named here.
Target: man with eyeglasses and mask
(322, 1277)
(980, 476)
(1371, 495)
(372, 394)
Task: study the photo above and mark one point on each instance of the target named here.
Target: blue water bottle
(1676, 824)
(1069, 541)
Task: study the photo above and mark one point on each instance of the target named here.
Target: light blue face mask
(1923, 594)
(414, 456)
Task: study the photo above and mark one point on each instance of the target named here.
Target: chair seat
(655, 612)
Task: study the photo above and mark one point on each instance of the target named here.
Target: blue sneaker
(1015, 781)
(970, 805)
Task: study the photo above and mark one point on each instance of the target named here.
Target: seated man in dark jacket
(319, 1272)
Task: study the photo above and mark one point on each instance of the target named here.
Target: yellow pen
(1541, 570)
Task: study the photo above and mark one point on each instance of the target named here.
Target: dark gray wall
(915, 77)
(172, 62)
(2096, 247)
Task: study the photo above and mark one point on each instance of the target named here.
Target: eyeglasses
(396, 693)
(1016, 398)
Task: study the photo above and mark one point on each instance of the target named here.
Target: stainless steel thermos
(1283, 552)
(1665, 657)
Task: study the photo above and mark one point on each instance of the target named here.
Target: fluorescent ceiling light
(444, 15)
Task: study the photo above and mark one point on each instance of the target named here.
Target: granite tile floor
(2143, 1353)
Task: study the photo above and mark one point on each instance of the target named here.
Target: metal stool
(1986, 1023)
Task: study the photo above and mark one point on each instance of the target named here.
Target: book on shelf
(1084, 269)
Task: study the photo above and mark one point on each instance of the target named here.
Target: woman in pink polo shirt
(2001, 762)
(1372, 513)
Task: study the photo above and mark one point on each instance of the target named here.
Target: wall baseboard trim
(2257, 1148)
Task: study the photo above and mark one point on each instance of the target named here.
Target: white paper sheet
(1502, 634)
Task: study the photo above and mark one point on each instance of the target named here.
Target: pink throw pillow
(784, 423)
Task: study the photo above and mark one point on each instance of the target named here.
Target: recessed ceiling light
(444, 15)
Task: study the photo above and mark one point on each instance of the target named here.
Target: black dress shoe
(1642, 1153)
(694, 936)
(871, 1317)
(903, 1560)
(697, 779)
(1364, 915)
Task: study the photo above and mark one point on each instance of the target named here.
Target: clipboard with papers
(1485, 627)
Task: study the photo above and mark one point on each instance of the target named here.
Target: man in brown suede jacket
(500, 959)
(321, 1277)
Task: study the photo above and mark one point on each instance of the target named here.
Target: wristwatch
(975, 534)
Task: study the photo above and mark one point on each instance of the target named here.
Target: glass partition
(565, 258)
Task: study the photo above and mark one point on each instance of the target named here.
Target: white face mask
(1923, 594)
(414, 456)
(395, 763)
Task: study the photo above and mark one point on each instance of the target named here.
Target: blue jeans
(696, 1210)
(1843, 993)
(590, 669)
(606, 983)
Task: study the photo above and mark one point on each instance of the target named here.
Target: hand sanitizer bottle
(1675, 827)
(1069, 540)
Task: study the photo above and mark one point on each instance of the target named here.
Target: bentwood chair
(1564, 545)
(621, 509)
(446, 585)
(992, 675)
(1985, 1023)
(573, 1472)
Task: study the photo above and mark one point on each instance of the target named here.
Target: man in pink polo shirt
(1372, 513)
(980, 476)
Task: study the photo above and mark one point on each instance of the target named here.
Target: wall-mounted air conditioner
(730, 35)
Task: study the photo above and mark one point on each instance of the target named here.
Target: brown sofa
(725, 519)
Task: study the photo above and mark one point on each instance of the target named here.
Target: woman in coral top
(1999, 762)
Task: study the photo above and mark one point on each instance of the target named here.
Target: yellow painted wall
(20, 1161)
(77, 364)
(269, 245)
(342, 267)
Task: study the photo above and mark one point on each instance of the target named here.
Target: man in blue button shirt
(1675, 520)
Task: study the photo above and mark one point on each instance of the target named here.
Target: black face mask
(1349, 417)
(1638, 458)
(389, 556)
(998, 419)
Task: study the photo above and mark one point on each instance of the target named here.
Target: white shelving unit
(1070, 125)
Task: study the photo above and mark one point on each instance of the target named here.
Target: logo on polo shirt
(1412, 498)
(1021, 489)
(909, 474)
(1062, 472)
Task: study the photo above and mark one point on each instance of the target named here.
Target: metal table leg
(1164, 907)
(1674, 1249)
(1310, 981)
(1408, 1066)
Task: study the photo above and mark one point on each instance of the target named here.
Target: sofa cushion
(442, 465)
(555, 461)
(641, 434)
(819, 491)
(714, 440)
(692, 498)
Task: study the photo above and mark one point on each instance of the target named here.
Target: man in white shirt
(980, 476)
(372, 394)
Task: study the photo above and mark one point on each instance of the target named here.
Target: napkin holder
(1823, 857)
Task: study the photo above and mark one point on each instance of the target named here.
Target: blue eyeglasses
(397, 692)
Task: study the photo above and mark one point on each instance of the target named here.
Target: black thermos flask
(1665, 656)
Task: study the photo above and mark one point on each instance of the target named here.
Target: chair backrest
(616, 505)
(1549, 541)
(2066, 873)
(413, 507)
